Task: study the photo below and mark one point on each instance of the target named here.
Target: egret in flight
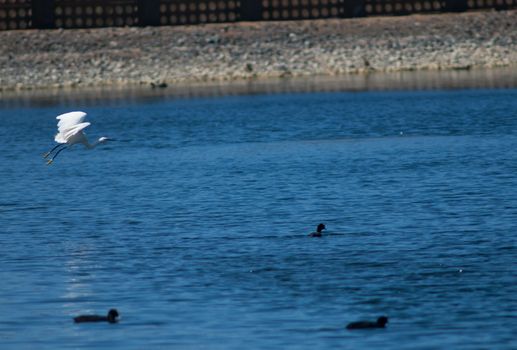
(69, 132)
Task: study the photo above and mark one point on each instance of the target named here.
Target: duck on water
(318, 233)
(380, 323)
(110, 318)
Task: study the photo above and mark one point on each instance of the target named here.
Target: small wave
(13, 207)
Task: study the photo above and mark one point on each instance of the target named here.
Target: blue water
(193, 224)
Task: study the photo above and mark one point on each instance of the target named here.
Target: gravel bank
(35, 59)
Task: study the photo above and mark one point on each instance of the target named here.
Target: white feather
(70, 119)
(65, 134)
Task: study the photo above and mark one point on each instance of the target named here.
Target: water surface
(193, 225)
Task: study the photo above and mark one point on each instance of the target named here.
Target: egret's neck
(92, 145)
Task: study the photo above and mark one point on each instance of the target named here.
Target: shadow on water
(498, 78)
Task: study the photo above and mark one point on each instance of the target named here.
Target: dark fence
(25, 14)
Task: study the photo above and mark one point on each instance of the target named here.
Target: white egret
(70, 131)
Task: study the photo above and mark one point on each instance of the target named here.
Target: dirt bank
(34, 59)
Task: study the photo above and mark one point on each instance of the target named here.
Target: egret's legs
(55, 155)
(53, 149)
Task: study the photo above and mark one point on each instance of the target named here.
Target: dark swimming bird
(381, 322)
(320, 228)
(111, 317)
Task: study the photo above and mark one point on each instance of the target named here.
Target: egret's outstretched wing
(68, 120)
(65, 134)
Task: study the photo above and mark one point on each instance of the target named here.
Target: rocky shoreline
(161, 56)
